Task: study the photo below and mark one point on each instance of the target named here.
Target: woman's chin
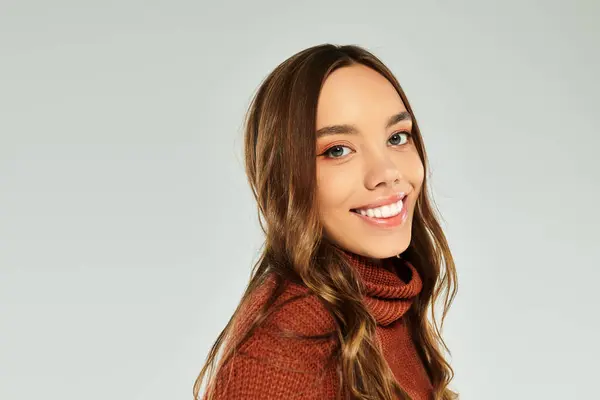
(377, 249)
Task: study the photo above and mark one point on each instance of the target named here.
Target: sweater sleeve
(268, 366)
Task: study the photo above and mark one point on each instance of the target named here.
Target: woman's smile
(385, 213)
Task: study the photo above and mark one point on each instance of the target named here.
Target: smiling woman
(340, 304)
(376, 184)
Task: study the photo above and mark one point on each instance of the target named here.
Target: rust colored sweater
(270, 367)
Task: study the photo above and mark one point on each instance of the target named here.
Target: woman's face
(369, 173)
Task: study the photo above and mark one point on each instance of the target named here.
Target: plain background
(128, 231)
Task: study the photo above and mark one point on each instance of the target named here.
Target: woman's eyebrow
(351, 129)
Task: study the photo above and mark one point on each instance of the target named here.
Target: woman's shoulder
(295, 309)
(275, 361)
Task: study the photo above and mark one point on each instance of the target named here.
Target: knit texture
(268, 366)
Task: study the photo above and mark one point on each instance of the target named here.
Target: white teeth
(386, 211)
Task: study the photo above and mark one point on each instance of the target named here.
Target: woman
(352, 262)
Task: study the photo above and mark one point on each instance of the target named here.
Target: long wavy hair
(279, 139)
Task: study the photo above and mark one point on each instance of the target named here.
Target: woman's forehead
(357, 95)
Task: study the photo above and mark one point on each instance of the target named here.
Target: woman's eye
(396, 138)
(337, 151)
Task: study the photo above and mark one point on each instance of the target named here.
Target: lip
(383, 201)
(390, 222)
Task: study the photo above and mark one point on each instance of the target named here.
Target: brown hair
(279, 138)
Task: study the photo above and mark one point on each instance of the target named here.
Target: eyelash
(408, 135)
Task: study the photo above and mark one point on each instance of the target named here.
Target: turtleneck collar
(391, 286)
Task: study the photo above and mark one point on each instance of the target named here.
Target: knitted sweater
(269, 367)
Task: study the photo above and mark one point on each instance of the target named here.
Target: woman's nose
(382, 172)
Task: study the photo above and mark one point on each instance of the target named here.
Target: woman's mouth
(389, 215)
(387, 211)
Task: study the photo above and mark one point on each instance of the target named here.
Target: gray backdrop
(127, 230)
